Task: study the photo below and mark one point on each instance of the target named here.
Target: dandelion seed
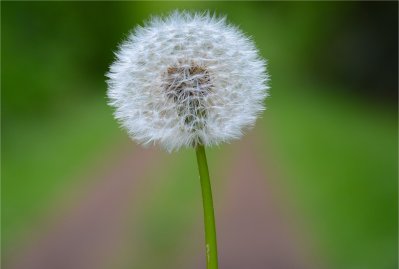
(185, 80)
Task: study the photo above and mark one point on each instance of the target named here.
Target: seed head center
(187, 81)
(188, 85)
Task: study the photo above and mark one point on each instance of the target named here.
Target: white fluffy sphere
(185, 80)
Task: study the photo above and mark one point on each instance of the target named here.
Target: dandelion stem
(209, 216)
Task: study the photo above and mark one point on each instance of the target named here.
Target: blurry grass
(339, 159)
(168, 214)
(43, 155)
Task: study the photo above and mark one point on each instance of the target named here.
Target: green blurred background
(331, 118)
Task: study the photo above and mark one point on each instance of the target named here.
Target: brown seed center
(186, 81)
(188, 85)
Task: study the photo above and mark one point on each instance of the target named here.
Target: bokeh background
(313, 185)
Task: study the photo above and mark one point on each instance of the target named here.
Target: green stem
(209, 216)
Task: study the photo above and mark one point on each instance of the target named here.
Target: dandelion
(188, 80)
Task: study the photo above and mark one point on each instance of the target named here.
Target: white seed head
(185, 80)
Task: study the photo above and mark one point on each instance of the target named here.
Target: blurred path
(96, 231)
(253, 231)
(93, 230)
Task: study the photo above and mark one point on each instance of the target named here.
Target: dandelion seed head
(187, 79)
